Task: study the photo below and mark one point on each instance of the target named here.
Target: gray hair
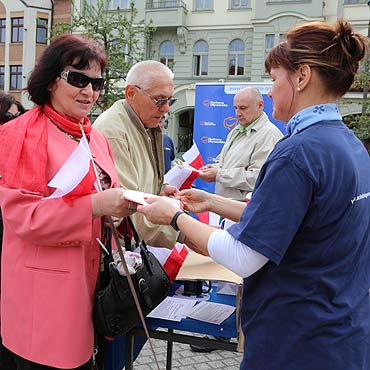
(143, 73)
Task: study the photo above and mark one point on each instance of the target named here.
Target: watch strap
(173, 222)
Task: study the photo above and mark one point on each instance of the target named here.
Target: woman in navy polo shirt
(303, 242)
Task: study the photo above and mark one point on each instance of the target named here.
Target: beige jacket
(137, 166)
(240, 161)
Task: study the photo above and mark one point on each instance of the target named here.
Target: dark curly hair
(66, 50)
(6, 101)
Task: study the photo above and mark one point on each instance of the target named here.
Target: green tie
(241, 130)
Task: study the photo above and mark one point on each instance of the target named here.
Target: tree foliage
(118, 32)
(360, 123)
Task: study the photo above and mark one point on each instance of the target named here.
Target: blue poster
(214, 118)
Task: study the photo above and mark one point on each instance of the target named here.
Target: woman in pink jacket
(50, 257)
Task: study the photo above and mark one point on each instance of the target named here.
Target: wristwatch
(174, 220)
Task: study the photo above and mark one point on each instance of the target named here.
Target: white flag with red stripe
(76, 176)
(171, 259)
(182, 176)
(193, 158)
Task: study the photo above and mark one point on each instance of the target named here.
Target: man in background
(246, 149)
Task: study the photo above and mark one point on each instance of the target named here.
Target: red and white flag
(171, 259)
(182, 176)
(193, 158)
(77, 175)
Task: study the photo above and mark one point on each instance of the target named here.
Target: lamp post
(367, 70)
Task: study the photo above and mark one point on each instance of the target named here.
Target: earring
(298, 88)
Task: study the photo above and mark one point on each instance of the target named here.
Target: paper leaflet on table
(177, 308)
(76, 176)
(183, 174)
(214, 313)
(173, 309)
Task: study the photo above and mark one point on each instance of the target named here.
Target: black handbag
(115, 311)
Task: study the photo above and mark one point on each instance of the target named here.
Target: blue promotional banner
(214, 118)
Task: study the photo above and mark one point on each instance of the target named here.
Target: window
(166, 54)
(17, 29)
(200, 58)
(2, 30)
(15, 77)
(169, 3)
(236, 57)
(122, 4)
(203, 4)
(2, 75)
(269, 41)
(238, 4)
(41, 30)
(354, 2)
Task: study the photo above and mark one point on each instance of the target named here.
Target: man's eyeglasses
(158, 102)
(80, 80)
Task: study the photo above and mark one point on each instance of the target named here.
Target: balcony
(166, 13)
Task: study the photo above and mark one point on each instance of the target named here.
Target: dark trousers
(6, 358)
(23, 364)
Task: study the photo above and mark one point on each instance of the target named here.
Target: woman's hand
(111, 202)
(160, 210)
(194, 200)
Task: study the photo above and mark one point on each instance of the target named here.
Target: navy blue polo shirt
(308, 307)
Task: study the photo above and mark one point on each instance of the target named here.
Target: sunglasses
(80, 80)
(9, 116)
(158, 102)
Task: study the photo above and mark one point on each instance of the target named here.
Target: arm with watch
(162, 211)
(202, 238)
(196, 233)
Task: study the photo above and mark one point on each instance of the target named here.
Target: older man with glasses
(132, 127)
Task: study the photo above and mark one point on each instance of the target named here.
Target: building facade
(24, 34)
(201, 40)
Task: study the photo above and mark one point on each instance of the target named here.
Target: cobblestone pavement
(185, 359)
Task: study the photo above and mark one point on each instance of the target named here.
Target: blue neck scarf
(311, 115)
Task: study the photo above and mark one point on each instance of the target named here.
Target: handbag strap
(130, 282)
(134, 232)
(123, 261)
(126, 236)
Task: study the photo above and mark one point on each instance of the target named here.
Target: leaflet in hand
(137, 197)
(140, 197)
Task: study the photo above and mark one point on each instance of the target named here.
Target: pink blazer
(50, 265)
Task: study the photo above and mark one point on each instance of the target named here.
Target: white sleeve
(233, 254)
